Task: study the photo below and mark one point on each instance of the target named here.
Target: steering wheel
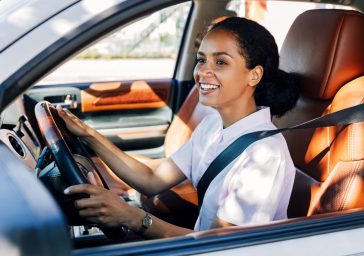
(64, 146)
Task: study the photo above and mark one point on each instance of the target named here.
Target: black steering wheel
(63, 146)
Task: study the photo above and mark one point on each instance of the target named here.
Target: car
(125, 68)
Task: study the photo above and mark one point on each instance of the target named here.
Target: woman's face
(221, 74)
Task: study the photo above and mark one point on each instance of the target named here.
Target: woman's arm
(219, 223)
(133, 172)
(106, 208)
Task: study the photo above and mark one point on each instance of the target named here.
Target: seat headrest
(326, 49)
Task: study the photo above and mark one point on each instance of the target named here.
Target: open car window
(146, 49)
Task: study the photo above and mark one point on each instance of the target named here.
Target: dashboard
(18, 135)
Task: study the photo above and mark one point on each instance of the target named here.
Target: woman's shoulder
(274, 145)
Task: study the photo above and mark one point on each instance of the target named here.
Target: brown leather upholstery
(341, 168)
(326, 48)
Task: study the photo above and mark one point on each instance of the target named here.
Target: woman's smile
(206, 88)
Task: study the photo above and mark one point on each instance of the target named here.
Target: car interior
(324, 47)
(328, 160)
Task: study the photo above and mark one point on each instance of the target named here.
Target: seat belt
(342, 117)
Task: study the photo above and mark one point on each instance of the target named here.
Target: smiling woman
(237, 58)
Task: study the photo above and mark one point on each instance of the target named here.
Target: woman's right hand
(74, 124)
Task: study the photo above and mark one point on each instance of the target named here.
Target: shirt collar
(246, 124)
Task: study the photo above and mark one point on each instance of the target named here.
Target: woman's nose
(205, 70)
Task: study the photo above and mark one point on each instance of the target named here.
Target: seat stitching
(346, 194)
(335, 44)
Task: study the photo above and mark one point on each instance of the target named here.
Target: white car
(125, 68)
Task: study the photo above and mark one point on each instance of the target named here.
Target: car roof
(20, 16)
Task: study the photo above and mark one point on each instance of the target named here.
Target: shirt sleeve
(252, 188)
(183, 158)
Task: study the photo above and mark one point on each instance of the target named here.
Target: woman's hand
(74, 124)
(105, 207)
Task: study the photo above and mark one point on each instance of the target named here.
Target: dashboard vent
(16, 146)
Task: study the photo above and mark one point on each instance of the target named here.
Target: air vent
(16, 146)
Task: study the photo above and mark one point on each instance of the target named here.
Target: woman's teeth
(209, 87)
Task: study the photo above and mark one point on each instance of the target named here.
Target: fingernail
(66, 191)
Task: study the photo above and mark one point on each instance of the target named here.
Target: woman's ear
(255, 75)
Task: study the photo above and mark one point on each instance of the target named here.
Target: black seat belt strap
(342, 117)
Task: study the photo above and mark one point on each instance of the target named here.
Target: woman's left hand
(103, 206)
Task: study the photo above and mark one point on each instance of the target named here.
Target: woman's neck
(230, 115)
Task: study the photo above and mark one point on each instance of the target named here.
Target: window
(146, 49)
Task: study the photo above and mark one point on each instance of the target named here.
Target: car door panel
(125, 95)
(134, 115)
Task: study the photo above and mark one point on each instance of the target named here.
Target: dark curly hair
(277, 89)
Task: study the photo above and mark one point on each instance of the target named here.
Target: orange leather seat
(325, 47)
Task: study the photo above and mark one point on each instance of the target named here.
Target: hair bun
(280, 94)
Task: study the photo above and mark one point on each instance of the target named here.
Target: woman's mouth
(204, 87)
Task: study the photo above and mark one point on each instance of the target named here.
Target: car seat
(326, 49)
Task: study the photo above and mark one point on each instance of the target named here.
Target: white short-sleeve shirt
(254, 188)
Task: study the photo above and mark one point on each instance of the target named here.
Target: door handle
(69, 102)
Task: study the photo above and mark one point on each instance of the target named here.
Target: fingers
(94, 215)
(65, 112)
(58, 107)
(83, 188)
(69, 113)
(102, 207)
(91, 212)
(73, 123)
(60, 111)
(95, 203)
(94, 178)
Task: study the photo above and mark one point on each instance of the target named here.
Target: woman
(236, 71)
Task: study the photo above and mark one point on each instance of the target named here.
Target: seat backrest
(326, 49)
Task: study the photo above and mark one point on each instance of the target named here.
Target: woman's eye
(220, 62)
(200, 60)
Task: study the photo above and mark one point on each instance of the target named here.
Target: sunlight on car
(22, 16)
(62, 26)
